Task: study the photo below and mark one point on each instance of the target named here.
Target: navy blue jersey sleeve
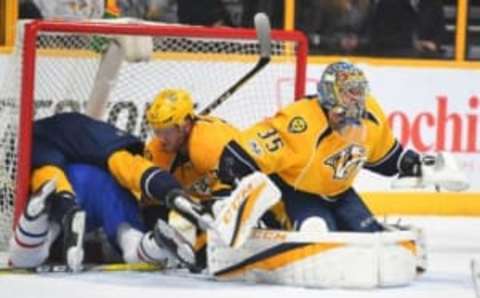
(76, 138)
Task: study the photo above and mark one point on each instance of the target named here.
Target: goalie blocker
(319, 260)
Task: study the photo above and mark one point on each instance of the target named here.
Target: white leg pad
(320, 260)
(420, 248)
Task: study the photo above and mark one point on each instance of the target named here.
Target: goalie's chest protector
(312, 157)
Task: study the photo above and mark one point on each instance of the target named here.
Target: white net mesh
(66, 65)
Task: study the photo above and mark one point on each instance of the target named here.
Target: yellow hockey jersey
(197, 171)
(298, 145)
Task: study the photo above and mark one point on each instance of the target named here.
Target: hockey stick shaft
(222, 98)
(262, 27)
(51, 268)
(105, 79)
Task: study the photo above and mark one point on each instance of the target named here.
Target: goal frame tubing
(28, 73)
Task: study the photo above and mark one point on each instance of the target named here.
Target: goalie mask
(342, 91)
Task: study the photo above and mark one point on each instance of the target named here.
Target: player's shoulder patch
(297, 125)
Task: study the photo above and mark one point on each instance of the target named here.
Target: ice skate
(170, 239)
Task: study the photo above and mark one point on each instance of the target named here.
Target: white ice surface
(452, 242)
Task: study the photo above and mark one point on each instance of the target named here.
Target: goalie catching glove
(441, 171)
(233, 217)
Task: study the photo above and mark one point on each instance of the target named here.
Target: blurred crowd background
(379, 28)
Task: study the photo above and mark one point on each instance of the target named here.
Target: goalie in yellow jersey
(314, 148)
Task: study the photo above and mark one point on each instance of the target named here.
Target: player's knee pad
(314, 224)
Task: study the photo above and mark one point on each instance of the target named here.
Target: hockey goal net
(56, 66)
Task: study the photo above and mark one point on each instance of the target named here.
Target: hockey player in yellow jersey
(187, 144)
(314, 148)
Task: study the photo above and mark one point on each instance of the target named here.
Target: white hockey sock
(150, 252)
(139, 247)
(31, 241)
(31, 232)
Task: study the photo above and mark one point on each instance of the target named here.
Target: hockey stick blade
(55, 268)
(262, 27)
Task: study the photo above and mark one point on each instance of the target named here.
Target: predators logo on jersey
(346, 162)
(297, 125)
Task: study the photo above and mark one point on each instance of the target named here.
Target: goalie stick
(262, 27)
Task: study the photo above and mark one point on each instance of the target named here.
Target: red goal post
(55, 65)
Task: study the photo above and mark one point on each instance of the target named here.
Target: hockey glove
(441, 171)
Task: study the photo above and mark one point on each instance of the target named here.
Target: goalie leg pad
(351, 260)
(420, 244)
